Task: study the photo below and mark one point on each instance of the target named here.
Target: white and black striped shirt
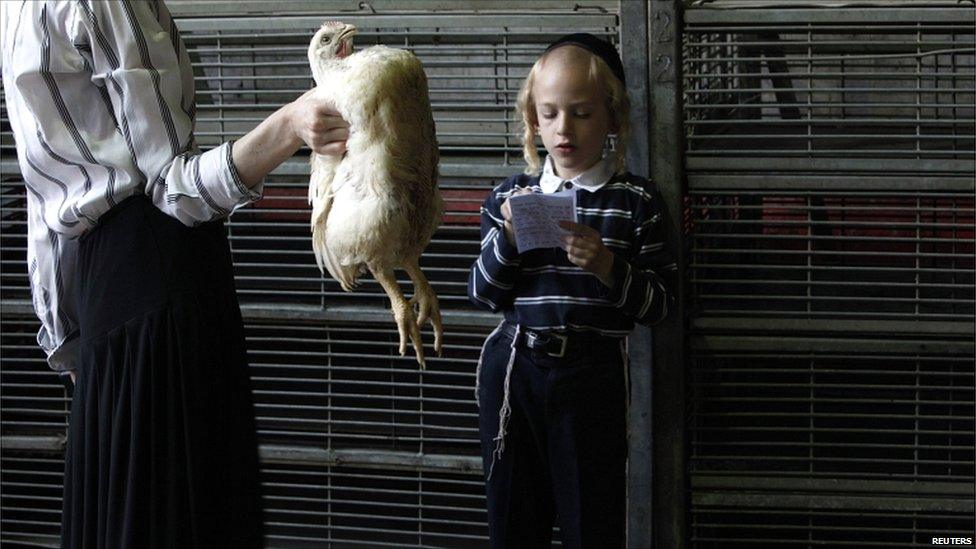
(542, 290)
(100, 98)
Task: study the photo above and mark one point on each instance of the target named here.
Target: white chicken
(377, 206)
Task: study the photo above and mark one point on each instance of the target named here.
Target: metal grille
(33, 402)
(342, 386)
(358, 446)
(888, 410)
(31, 502)
(810, 88)
(757, 526)
(837, 254)
(366, 507)
(830, 170)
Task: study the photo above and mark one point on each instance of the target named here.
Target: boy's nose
(565, 125)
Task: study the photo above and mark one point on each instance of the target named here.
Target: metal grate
(830, 171)
(812, 412)
(31, 500)
(344, 386)
(756, 526)
(33, 402)
(857, 255)
(830, 88)
(373, 508)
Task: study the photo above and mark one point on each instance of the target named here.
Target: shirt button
(567, 184)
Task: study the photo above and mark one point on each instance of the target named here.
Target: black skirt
(161, 448)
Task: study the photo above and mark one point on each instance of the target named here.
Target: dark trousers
(565, 450)
(161, 447)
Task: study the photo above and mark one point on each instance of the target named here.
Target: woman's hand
(584, 247)
(507, 214)
(309, 119)
(318, 124)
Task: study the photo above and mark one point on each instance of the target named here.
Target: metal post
(634, 51)
(670, 488)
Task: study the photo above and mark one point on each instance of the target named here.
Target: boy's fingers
(579, 228)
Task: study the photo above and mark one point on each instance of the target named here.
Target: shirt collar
(591, 179)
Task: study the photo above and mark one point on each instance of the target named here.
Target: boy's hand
(584, 247)
(507, 214)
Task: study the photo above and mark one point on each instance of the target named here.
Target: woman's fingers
(320, 125)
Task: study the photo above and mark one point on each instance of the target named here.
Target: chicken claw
(402, 313)
(408, 325)
(428, 307)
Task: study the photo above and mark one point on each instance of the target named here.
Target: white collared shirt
(592, 179)
(100, 98)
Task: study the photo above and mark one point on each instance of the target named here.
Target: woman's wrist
(262, 149)
(290, 115)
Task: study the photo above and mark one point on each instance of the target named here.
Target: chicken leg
(402, 312)
(426, 300)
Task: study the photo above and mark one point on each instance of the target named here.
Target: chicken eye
(326, 40)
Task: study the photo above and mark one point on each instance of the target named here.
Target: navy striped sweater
(542, 290)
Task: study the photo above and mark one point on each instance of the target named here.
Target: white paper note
(536, 218)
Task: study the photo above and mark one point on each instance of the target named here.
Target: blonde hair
(617, 103)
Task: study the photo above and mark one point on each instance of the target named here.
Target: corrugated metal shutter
(830, 169)
(358, 445)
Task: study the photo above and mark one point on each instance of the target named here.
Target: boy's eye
(582, 114)
(548, 115)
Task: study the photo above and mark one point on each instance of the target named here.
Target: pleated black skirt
(161, 447)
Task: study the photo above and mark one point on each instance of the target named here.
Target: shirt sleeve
(51, 289)
(643, 284)
(492, 277)
(136, 56)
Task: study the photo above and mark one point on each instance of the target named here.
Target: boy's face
(571, 112)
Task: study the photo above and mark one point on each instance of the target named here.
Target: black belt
(558, 344)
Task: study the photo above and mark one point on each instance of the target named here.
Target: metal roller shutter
(830, 170)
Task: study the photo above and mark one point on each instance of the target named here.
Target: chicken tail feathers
(346, 275)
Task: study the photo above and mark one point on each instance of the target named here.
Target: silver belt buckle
(531, 338)
(562, 345)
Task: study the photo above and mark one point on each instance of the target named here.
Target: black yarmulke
(600, 48)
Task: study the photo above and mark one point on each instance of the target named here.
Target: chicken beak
(344, 40)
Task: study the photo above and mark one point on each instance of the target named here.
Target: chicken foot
(426, 301)
(402, 313)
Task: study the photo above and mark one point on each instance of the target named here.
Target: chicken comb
(333, 24)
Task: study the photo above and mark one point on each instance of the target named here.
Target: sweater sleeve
(492, 277)
(643, 284)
